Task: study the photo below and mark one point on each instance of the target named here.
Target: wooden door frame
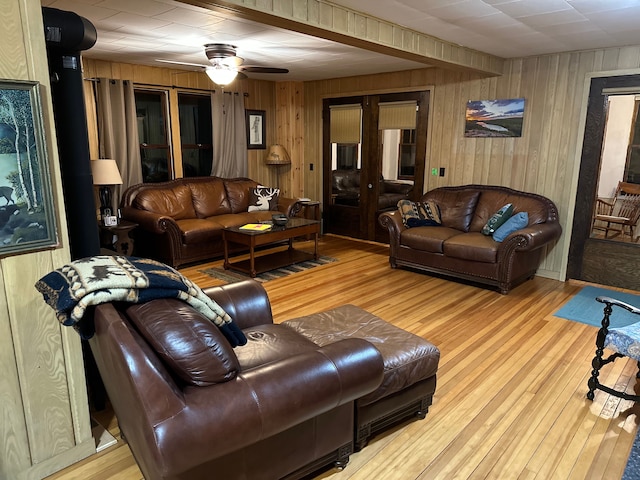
(590, 166)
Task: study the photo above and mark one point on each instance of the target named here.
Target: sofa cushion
(269, 343)
(456, 207)
(472, 246)
(209, 198)
(516, 222)
(427, 239)
(199, 230)
(238, 193)
(173, 201)
(190, 345)
(497, 219)
(263, 199)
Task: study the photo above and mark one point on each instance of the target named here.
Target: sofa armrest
(246, 302)
(152, 222)
(289, 206)
(393, 222)
(265, 401)
(534, 236)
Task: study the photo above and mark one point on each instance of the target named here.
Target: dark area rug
(231, 276)
(584, 308)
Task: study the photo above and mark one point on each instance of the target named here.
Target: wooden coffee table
(295, 227)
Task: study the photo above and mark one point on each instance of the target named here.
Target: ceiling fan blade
(175, 62)
(263, 69)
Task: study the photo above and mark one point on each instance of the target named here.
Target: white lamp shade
(221, 74)
(105, 172)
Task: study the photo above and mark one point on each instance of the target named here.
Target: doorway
(599, 260)
(374, 154)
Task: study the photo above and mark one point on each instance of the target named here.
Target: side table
(310, 211)
(116, 237)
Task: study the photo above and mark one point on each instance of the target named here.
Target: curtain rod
(97, 80)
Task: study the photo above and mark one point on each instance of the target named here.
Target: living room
(545, 160)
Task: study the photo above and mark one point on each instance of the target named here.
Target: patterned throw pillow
(497, 219)
(419, 214)
(263, 198)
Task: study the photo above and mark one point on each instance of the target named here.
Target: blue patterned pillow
(516, 222)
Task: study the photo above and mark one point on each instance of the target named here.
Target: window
(155, 152)
(195, 134)
(407, 154)
(347, 156)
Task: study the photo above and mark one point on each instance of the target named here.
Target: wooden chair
(621, 214)
(623, 341)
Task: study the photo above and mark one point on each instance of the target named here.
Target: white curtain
(229, 135)
(118, 130)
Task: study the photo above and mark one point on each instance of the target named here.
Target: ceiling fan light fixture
(221, 74)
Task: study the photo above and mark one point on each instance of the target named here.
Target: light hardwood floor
(510, 401)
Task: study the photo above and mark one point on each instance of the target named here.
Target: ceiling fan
(226, 65)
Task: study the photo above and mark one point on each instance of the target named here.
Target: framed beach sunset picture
(494, 118)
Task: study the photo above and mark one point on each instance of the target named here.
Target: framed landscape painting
(494, 118)
(27, 220)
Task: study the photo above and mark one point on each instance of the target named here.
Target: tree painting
(25, 211)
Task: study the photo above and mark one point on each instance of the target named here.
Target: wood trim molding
(322, 19)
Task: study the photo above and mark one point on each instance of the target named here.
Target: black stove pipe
(66, 35)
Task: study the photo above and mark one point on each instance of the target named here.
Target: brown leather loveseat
(192, 407)
(181, 221)
(458, 248)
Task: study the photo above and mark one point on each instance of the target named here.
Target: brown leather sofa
(191, 407)
(457, 248)
(181, 221)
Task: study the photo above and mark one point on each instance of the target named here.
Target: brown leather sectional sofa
(296, 398)
(457, 248)
(181, 221)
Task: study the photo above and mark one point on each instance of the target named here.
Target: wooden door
(357, 215)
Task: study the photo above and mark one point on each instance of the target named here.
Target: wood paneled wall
(544, 160)
(45, 422)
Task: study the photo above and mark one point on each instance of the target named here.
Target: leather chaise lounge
(284, 405)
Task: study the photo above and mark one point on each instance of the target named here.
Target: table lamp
(277, 155)
(105, 174)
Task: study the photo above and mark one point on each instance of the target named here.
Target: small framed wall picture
(256, 129)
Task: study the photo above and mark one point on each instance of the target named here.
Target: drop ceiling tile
(133, 23)
(189, 17)
(466, 9)
(83, 9)
(525, 8)
(147, 8)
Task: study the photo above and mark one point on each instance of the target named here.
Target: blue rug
(584, 308)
